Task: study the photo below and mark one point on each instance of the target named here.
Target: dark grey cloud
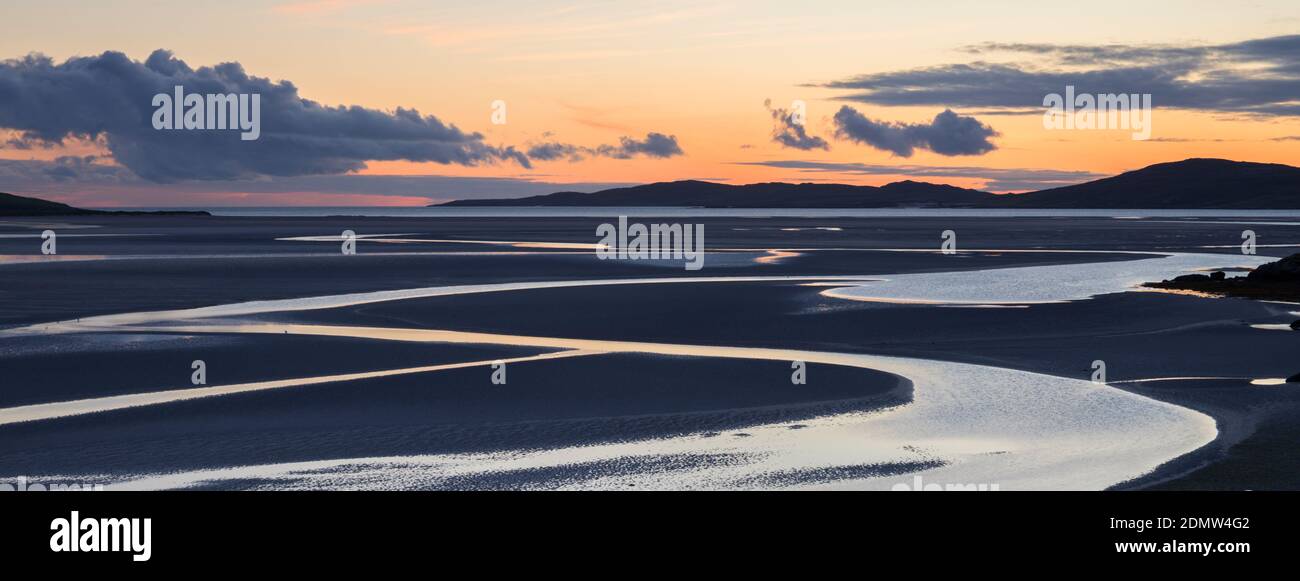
(655, 145)
(553, 150)
(16, 175)
(1277, 51)
(75, 167)
(109, 97)
(1002, 112)
(791, 134)
(1089, 55)
(995, 179)
(1259, 77)
(948, 134)
(23, 144)
(1001, 85)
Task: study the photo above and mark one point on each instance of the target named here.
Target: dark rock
(11, 205)
(1275, 281)
(1295, 325)
(1294, 378)
(1285, 270)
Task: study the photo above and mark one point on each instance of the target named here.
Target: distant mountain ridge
(1196, 183)
(765, 195)
(1189, 184)
(12, 206)
(1192, 183)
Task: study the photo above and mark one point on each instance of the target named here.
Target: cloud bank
(107, 98)
(948, 134)
(1258, 77)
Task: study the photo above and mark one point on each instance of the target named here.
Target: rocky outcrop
(1285, 270)
(1275, 281)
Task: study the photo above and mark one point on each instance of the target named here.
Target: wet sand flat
(1148, 341)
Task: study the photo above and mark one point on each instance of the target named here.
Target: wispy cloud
(589, 31)
(597, 117)
(655, 145)
(791, 132)
(315, 7)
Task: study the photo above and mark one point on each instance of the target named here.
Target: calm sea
(596, 212)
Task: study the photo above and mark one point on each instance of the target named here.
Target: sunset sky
(603, 93)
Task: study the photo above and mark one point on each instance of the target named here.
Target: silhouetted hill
(1188, 184)
(693, 193)
(12, 206)
(1192, 183)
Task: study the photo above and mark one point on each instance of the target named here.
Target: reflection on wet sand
(47, 411)
(974, 423)
(966, 423)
